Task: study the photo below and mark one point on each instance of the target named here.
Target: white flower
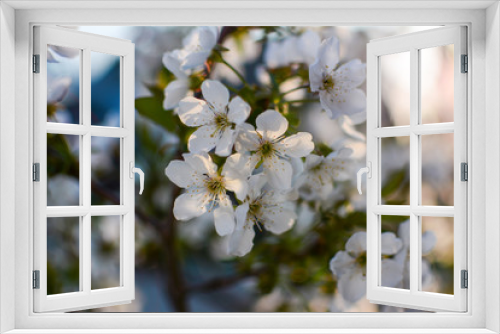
(403, 256)
(262, 208)
(292, 49)
(337, 85)
(350, 266)
(197, 46)
(206, 188)
(218, 119)
(321, 172)
(270, 147)
(57, 89)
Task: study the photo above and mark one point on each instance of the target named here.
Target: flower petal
(428, 242)
(238, 165)
(201, 162)
(271, 124)
(341, 263)
(57, 89)
(356, 243)
(328, 54)
(241, 242)
(298, 145)
(238, 186)
(203, 139)
(173, 60)
(225, 143)
(194, 112)
(188, 206)
(224, 218)
(390, 243)
(174, 93)
(195, 59)
(392, 273)
(241, 215)
(352, 285)
(180, 173)
(248, 139)
(279, 172)
(354, 72)
(216, 94)
(308, 45)
(238, 110)
(278, 219)
(255, 184)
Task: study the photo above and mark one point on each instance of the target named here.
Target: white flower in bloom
(178, 89)
(263, 207)
(337, 85)
(218, 119)
(269, 146)
(206, 188)
(350, 266)
(57, 89)
(403, 256)
(320, 173)
(292, 49)
(199, 44)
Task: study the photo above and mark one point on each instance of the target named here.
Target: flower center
(221, 121)
(328, 82)
(215, 185)
(267, 149)
(361, 259)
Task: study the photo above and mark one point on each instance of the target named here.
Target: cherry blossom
(218, 120)
(177, 89)
(263, 208)
(270, 147)
(337, 83)
(206, 188)
(292, 49)
(349, 266)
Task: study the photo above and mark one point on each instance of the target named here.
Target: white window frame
(483, 21)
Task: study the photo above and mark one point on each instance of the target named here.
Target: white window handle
(368, 171)
(141, 175)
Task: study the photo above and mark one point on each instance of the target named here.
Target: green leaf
(152, 108)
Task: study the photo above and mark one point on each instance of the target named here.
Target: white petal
(238, 165)
(273, 54)
(241, 242)
(255, 185)
(224, 218)
(328, 54)
(225, 143)
(308, 44)
(347, 124)
(356, 243)
(174, 93)
(194, 112)
(208, 37)
(201, 162)
(352, 285)
(238, 186)
(65, 51)
(172, 61)
(271, 124)
(180, 173)
(278, 219)
(298, 145)
(392, 273)
(315, 76)
(216, 94)
(247, 139)
(428, 242)
(354, 72)
(203, 139)
(241, 215)
(404, 232)
(341, 263)
(353, 102)
(279, 172)
(188, 206)
(312, 161)
(390, 243)
(238, 110)
(57, 89)
(195, 59)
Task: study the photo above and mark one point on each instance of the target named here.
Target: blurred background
(183, 266)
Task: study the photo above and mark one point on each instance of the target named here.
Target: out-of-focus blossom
(263, 207)
(206, 188)
(320, 173)
(198, 45)
(178, 89)
(218, 120)
(269, 146)
(403, 256)
(338, 85)
(293, 49)
(57, 89)
(349, 266)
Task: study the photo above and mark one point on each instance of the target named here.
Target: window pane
(437, 169)
(105, 252)
(437, 254)
(63, 84)
(63, 169)
(395, 249)
(105, 171)
(395, 89)
(63, 249)
(437, 84)
(395, 170)
(105, 90)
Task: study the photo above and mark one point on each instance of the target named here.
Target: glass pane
(395, 249)
(105, 171)
(105, 90)
(63, 260)
(437, 84)
(437, 254)
(63, 84)
(437, 169)
(105, 252)
(395, 170)
(395, 89)
(63, 169)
